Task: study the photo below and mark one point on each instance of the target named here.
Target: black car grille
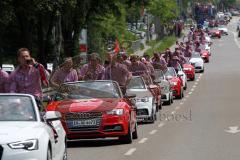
(83, 121)
(193, 64)
(1, 152)
(141, 112)
(197, 67)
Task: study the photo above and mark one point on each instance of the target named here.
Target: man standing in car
(65, 73)
(93, 70)
(117, 72)
(3, 81)
(29, 76)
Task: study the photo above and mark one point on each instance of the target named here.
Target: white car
(145, 102)
(166, 91)
(24, 135)
(9, 68)
(183, 76)
(197, 61)
(223, 29)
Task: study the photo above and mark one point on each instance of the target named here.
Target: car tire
(169, 100)
(49, 154)
(181, 95)
(202, 71)
(128, 138)
(185, 88)
(135, 133)
(193, 79)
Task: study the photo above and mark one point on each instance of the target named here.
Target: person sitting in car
(65, 73)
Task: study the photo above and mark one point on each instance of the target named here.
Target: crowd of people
(30, 76)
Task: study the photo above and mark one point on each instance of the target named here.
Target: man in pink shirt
(117, 72)
(29, 76)
(65, 73)
(3, 81)
(93, 70)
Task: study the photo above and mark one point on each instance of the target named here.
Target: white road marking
(181, 103)
(190, 93)
(177, 108)
(197, 80)
(201, 75)
(173, 112)
(130, 152)
(143, 140)
(192, 89)
(161, 125)
(235, 38)
(196, 83)
(187, 96)
(184, 99)
(153, 132)
(233, 129)
(194, 86)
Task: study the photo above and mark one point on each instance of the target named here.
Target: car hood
(88, 105)
(140, 93)
(19, 131)
(194, 60)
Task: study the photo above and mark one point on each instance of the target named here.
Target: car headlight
(118, 112)
(144, 99)
(31, 144)
(173, 83)
(187, 69)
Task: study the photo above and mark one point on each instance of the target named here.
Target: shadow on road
(93, 143)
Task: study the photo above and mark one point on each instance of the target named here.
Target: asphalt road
(196, 127)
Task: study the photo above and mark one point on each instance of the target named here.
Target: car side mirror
(180, 74)
(53, 115)
(130, 96)
(157, 81)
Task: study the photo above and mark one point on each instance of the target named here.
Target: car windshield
(136, 83)
(88, 90)
(170, 72)
(16, 108)
(158, 75)
(196, 55)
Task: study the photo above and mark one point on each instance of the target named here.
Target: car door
(59, 138)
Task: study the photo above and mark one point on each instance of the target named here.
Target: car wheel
(169, 100)
(185, 87)
(202, 71)
(135, 133)
(181, 94)
(172, 99)
(127, 139)
(49, 154)
(193, 79)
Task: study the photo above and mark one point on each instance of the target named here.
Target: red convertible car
(215, 33)
(95, 109)
(175, 81)
(205, 55)
(189, 70)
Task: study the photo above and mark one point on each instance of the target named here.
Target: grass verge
(161, 45)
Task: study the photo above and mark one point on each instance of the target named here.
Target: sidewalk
(146, 47)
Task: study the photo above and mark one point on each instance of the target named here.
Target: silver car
(145, 102)
(166, 91)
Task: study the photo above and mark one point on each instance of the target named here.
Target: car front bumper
(111, 126)
(22, 154)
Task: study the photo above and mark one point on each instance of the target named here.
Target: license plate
(82, 123)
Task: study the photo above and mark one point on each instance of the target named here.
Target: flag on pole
(117, 47)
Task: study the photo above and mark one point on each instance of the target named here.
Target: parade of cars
(97, 109)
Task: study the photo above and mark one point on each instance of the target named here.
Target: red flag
(116, 48)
